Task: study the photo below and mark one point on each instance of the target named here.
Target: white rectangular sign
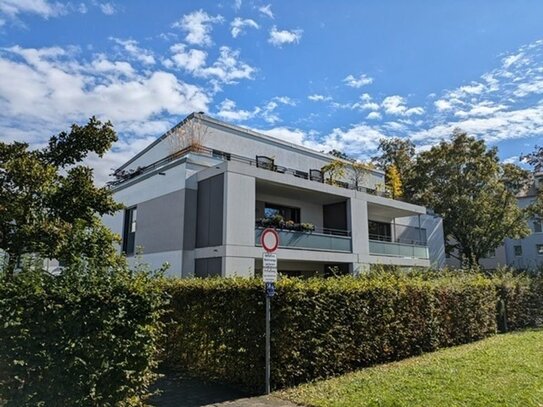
(269, 267)
(269, 261)
(269, 275)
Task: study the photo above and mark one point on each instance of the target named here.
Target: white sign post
(270, 242)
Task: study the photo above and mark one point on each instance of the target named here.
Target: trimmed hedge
(326, 327)
(88, 337)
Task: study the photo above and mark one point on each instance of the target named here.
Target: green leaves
(46, 199)
(323, 328)
(87, 337)
(463, 181)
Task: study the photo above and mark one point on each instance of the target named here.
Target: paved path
(178, 390)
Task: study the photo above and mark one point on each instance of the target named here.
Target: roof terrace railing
(263, 162)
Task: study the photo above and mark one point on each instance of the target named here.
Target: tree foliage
(399, 152)
(358, 171)
(335, 170)
(394, 182)
(48, 201)
(463, 181)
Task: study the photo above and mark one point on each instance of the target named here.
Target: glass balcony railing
(411, 251)
(316, 240)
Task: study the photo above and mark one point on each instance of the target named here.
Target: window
(380, 231)
(539, 249)
(129, 231)
(518, 251)
(288, 213)
(491, 254)
(537, 226)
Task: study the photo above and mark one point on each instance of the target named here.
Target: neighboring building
(199, 196)
(526, 253)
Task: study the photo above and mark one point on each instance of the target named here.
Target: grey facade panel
(210, 267)
(189, 231)
(160, 223)
(209, 219)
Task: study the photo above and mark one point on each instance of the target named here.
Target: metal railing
(319, 239)
(392, 249)
(122, 176)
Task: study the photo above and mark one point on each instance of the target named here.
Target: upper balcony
(391, 240)
(266, 163)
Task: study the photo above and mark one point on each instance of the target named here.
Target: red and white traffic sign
(269, 240)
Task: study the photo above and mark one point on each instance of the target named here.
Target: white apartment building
(200, 195)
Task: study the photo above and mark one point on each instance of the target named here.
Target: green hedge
(84, 338)
(325, 327)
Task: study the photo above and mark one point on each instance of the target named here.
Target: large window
(287, 212)
(537, 226)
(129, 231)
(539, 249)
(380, 231)
(518, 250)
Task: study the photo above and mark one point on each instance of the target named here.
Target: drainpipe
(394, 230)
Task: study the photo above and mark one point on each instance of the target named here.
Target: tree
(339, 154)
(49, 204)
(463, 182)
(394, 182)
(335, 170)
(400, 153)
(358, 171)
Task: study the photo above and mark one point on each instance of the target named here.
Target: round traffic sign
(269, 239)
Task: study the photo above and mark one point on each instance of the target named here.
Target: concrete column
(239, 210)
(358, 216)
(357, 269)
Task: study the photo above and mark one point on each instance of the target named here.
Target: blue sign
(270, 289)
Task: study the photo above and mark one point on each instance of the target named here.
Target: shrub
(321, 327)
(87, 337)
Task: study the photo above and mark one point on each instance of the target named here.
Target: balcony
(412, 251)
(393, 240)
(258, 161)
(318, 239)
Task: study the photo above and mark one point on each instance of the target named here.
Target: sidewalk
(178, 390)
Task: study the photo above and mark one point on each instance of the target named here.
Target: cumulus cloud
(374, 116)
(395, 105)
(238, 26)
(137, 53)
(358, 82)
(43, 90)
(228, 110)
(319, 98)
(198, 26)
(280, 37)
(108, 8)
(42, 8)
(266, 10)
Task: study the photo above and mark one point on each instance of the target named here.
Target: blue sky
(339, 74)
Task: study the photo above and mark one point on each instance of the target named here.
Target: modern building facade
(200, 196)
(522, 254)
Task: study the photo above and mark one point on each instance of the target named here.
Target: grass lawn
(505, 370)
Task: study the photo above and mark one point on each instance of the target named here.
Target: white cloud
(198, 26)
(442, 105)
(374, 116)
(285, 100)
(108, 8)
(44, 90)
(131, 47)
(354, 82)
(238, 25)
(319, 98)
(266, 10)
(395, 105)
(237, 4)
(227, 68)
(280, 37)
(193, 60)
(43, 8)
(228, 111)
(515, 159)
